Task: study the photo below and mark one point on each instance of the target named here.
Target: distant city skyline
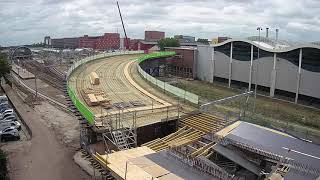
(27, 22)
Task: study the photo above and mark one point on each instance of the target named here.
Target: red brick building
(184, 62)
(87, 41)
(153, 35)
(107, 41)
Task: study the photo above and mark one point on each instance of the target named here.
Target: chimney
(277, 34)
(267, 32)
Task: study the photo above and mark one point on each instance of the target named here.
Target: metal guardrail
(201, 165)
(193, 98)
(290, 162)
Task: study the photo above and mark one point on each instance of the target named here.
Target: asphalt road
(44, 156)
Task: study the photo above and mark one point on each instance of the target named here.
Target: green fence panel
(85, 112)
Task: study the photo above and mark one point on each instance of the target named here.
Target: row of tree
(172, 42)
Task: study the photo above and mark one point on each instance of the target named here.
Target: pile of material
(94, 97)
(94, 78)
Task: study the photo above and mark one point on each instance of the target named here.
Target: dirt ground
(64, 125)
(49, 154)
(299, 120)
(46, 89)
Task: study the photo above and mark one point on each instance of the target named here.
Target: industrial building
(107, 41)
(64, 43)
(185, 39)
(154, 35)
(284, 70)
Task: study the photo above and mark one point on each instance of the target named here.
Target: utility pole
(256, 79)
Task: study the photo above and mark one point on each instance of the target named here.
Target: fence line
(183, 94)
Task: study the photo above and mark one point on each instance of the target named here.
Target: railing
(183, 94)
(83, 109)
(201, 164)
(290, 162)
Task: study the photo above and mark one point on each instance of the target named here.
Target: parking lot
(11, 126)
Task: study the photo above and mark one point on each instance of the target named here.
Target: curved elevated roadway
(118, 75)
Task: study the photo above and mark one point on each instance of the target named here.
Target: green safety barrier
(154, 55)
(82, 108)
(85, 112)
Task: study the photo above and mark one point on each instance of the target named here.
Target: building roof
(144, 163)
(183, 48)
(267, 46)
(273, 141)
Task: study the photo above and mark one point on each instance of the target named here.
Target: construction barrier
(82, 108)
(193, 98)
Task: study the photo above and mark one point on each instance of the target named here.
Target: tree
(168, 42)
(204, 41)
(4, 65)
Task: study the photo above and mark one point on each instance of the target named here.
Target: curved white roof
(267, 47)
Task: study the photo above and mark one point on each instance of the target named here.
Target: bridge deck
(118, 80)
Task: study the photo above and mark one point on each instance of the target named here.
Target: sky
(28, 21)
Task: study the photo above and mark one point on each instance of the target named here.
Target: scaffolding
(122, 130)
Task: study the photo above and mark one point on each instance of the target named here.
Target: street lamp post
(256, 79)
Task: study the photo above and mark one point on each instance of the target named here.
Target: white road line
(292, 150)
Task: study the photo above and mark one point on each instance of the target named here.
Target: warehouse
(281, 70)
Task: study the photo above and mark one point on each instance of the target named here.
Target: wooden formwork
(193, 128)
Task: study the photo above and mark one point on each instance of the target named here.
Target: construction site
(130, 114)
(137, 127)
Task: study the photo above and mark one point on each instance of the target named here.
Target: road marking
(301, 153)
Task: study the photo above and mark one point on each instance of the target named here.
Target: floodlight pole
(256, 79)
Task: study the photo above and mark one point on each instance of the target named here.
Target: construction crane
(124, 29)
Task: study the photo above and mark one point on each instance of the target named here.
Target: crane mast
(124, 29)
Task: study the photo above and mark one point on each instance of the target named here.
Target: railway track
(45, 74)
(41, 95)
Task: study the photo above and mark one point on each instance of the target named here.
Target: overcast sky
(28, 21)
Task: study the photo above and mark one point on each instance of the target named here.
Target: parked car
(7, 123)
(9, 134)
(4, 106)
(3, 117)
(6, 111)
(10, 117)
(3, 99)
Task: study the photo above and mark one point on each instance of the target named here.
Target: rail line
(45, 74)
(40, 94)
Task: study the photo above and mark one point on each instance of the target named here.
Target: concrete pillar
(251, 65)
(212, 63)
(230, 64)
(299, 76)
(195, 64)
(273, 76)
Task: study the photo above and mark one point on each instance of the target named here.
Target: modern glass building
(293, 71)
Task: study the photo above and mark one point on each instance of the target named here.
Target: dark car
(9, 134)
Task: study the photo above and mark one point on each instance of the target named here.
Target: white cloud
(23, 22)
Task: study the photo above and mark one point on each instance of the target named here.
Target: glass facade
(241, 51)
(225, 49)
(291, 56)
(311, 59)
